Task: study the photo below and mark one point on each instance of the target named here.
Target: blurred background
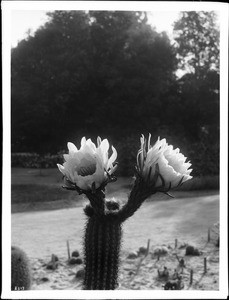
(113, 74)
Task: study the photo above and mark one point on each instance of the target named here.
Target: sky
(24, 20)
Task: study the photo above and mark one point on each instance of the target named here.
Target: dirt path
(45, 232)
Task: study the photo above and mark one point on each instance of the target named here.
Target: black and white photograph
(115, 150)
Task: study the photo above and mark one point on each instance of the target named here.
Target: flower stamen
(85, 171)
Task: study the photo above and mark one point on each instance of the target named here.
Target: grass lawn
(35, 188)
(46, 185)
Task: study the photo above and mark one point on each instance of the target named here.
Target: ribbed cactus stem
(20, 270)
(139, 193)
(103, 234)
(101, 250)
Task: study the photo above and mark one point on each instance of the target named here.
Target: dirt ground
(187, 219)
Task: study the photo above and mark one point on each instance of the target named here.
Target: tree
(47, 71)
(197, 37)
(88, 73)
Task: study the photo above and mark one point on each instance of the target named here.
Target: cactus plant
(20, 270)
(88, 170)
(103, 232)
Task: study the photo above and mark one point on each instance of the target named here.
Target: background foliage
(111, 74)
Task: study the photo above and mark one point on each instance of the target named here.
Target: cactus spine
(20, 270)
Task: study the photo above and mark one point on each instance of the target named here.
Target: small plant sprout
(209, 234)
(191, 276)
(205, 264)
(68, 249)
(88, 171)
(176, 243)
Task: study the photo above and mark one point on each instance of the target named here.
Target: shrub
(203, 154)
(34, 160)
(127, 151)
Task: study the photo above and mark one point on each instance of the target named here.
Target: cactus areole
(103, 230)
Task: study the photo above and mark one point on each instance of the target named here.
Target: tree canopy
(109, 73)
(197, 37)
(88, 72)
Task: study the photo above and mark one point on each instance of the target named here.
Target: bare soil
(187, 218)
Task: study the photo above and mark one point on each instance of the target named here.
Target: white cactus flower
(163, 160)
(89, 165)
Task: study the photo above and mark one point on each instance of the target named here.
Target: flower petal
(99, 141)
(112, 158)
(61, 168)
(142, 152)
(91, 144)
(149, 138)
(83, 141)
(72, 147)
(103, 151)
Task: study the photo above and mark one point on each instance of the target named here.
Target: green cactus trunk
(102, 246)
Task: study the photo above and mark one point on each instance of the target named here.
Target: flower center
(86, 167)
